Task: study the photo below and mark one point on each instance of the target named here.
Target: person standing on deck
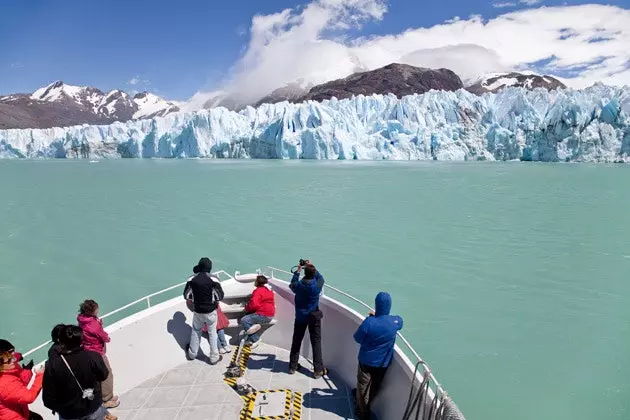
(307, 315)
(377, 337)
(95, 339)
(206, 292)
(260, 309)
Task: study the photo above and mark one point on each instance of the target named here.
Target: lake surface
(512, 278)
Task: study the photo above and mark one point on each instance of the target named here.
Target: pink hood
(94, 336)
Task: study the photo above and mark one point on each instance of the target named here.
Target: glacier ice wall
(574, 125)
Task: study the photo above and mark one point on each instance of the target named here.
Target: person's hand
(371, 313)
(39, 369)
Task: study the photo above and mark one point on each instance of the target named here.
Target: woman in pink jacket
(94, 339)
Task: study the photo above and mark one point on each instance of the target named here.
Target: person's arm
(100, 332)
(359, 335)
(99, 368)
(319, 281)
(219, 290)
(254, 303)
(20, 394)
(187, 291)
(294, 280)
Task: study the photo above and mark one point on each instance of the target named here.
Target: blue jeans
(251, 319)
(222, 342)
(195, 335)
(97, 415)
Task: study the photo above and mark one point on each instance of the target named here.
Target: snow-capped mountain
(60, 104)
(495, 82)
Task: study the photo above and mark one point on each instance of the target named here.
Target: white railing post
(148, 301)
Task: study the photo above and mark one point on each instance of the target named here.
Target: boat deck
(196, 390)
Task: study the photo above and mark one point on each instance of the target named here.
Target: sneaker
(224, 350)
(115, 398)
(110, 416)
(318, 375)
(111, 404)
(254, 329)
(291, 371)
(218, 360)
(252, 346)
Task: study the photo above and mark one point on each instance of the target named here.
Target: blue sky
(177, 48)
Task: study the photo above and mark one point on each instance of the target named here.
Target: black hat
(6, 346)
(204, 266)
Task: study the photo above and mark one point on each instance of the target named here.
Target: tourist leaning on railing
(377, 337)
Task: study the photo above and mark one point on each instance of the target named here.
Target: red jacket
(14, 396)
(222, 321)
(262, 302)
(94, 336)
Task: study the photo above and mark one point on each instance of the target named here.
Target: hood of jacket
(382, 304)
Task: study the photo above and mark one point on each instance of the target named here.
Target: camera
(88, 394)
(303, 262)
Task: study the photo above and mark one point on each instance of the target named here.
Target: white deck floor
(195, 390)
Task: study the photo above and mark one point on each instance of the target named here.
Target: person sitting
(95, 339)
(206, 293)
(260, 310)
(73, 377)
(307, 315)
(377, 337)
(15, 396)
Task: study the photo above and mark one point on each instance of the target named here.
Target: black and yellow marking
(242, 363)
(292, 406)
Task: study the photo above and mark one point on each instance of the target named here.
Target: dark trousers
(369, 380)
(34, 416)
(315, 333)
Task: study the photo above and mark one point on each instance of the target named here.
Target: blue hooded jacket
(377, 334)
(307, 293)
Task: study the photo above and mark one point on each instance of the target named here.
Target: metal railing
(408, 345)
(146, 299)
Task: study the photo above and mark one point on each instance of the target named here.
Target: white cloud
(313, 43)
(502, 5)
(137, 80)
(133, 81)
(530, 2)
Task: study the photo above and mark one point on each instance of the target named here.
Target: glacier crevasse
(592, 124)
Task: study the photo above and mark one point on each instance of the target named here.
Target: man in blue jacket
(377, 337)
(307, 315)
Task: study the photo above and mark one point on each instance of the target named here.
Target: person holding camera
(377, 337)
(307, 315)
(15, 396)
(72, 379)
(206, 293)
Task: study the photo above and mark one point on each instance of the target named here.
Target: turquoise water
(512, 278)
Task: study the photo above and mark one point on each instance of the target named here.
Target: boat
(156, 381)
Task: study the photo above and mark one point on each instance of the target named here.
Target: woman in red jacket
(260, 309)
(14, 394)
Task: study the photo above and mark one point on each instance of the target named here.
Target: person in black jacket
(72, 379)
(206, 292)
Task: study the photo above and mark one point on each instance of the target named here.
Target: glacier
(589, 125)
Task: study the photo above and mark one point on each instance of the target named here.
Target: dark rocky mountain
(59, 105)
(399, 79)
(497, 82)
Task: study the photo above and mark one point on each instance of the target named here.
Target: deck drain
(277, 404)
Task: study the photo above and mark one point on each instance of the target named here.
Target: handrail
(146, 298)
(399, 335)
